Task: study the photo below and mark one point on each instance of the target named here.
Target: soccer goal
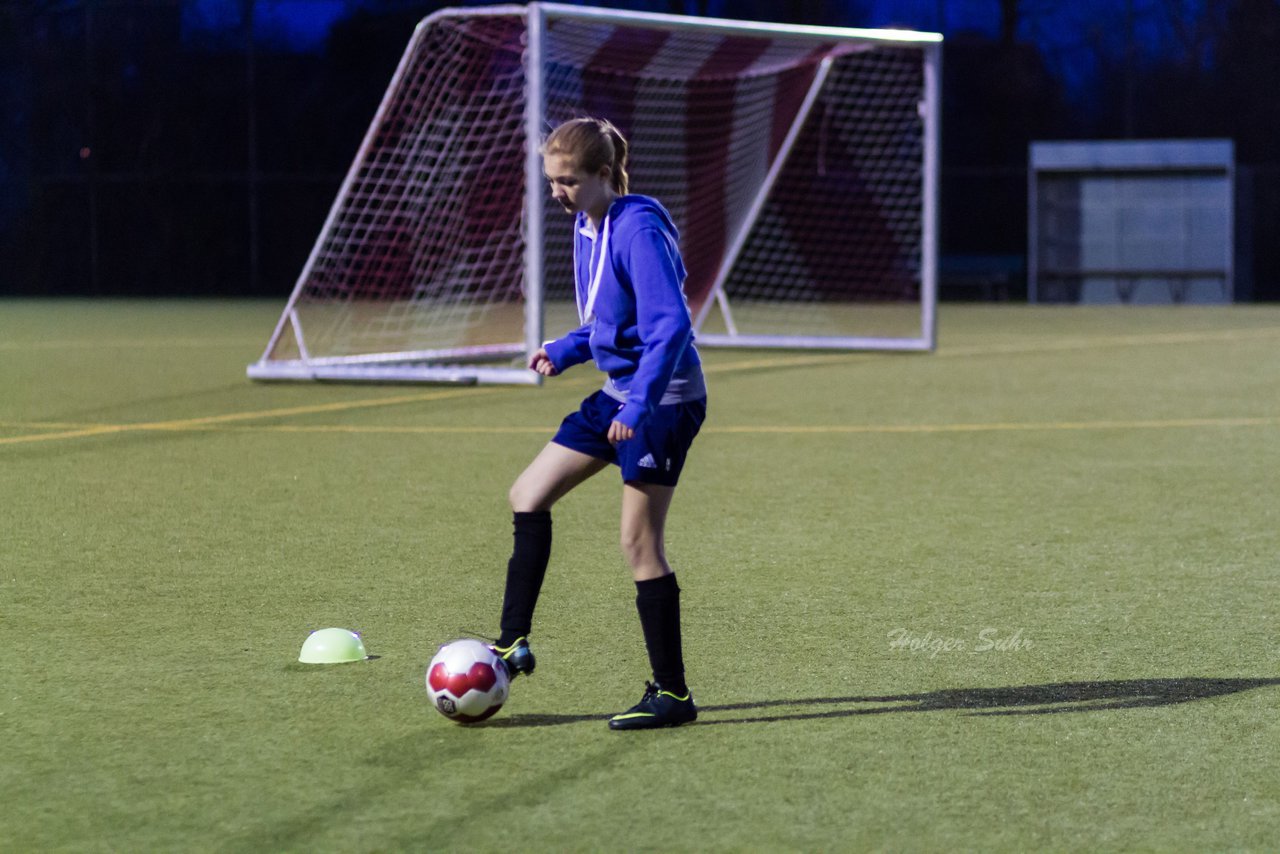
(799, 163)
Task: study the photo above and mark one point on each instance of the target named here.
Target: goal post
(799, 163)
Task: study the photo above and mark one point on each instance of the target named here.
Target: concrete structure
(1131, 222)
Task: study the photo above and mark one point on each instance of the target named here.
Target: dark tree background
(193, 147)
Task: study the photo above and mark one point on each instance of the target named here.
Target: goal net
(799, 163)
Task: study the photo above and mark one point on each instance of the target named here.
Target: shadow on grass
(1020, 700)
(537, 720)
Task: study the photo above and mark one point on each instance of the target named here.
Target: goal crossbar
(407, 281)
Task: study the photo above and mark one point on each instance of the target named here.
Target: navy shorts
(655, 454)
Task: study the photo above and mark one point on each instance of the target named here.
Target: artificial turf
(1017, 594)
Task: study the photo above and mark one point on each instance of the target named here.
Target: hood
(632, 212)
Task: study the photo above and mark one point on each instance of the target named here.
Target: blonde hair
(591, 143)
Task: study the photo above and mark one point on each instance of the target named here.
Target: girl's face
(576, 190)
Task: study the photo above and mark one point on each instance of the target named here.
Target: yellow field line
(1039, 345)
(213, 420)
(67, 434)
(206, 425)
(1110, 341)
(413, 429)
(128, 343)
(49, 425)
(789, 362)
(1147, 424)
(75, 432)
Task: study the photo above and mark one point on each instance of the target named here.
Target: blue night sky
(300, 24)
(1075, 38)
(304, 24)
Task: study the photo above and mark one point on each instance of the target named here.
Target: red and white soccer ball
(467, 682)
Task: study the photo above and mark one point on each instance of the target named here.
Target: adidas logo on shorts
(647, 462)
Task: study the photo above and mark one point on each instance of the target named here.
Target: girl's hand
(541, 363)
(619, 432)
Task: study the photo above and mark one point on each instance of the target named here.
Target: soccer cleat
(657, 708)
(518, 657)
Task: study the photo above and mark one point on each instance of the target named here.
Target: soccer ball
(467, 682)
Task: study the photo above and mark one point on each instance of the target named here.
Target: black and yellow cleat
(657, 708)
(518, 657)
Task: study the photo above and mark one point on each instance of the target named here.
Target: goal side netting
(799, 163)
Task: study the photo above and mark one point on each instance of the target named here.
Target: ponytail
(620, 150)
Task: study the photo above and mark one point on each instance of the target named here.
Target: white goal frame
(475, 364)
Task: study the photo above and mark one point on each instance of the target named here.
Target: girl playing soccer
(636, 326)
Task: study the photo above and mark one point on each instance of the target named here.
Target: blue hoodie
(641, 332)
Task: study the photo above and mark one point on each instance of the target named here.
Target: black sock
(525, 571)
(658, 601)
